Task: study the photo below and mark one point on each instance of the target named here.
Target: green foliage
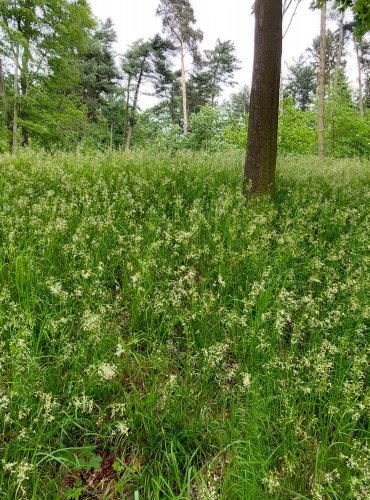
(331, 49)
(162, 338)
(48, 35)
(301, 83)
(98, 71)
(155, 129)
(297, 129)
(206, 130)
(218, 68)
(361, 12)
(237, 106)
(178, 22)
(347, 133)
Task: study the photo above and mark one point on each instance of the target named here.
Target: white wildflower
(246, 380)
(106, 371)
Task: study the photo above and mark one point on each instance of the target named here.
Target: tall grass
(163, 338)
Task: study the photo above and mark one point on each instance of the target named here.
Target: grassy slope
(153, 320)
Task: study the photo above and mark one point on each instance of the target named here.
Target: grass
(163, 338)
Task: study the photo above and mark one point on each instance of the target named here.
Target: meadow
(163, 337)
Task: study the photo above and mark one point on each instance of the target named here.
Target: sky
(227, 20)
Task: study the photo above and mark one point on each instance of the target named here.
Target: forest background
(63, 86)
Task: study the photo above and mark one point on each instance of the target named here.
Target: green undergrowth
(161, 337)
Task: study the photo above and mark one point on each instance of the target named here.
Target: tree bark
(4, 98)
(338, 61)
(359, 69)
(184, 96)
(214, 86)
(24, 89)
(260, 164)
(321, 104)
(15, 109)
(125, 124)
(131, 123)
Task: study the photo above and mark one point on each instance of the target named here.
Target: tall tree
(15, 98)
(331, 52)
(359, 76)
(34, 33)
(365, 62)
(144, 62)
(178, 22)
(135, 65)
(99, 73)
(321, 102)
(301, 83)
(340, 50)
(4, 98)
(260, 165)
(220, 65)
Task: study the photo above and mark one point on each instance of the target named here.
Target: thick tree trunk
(338, 61)
(321, 104)
(359, 69)
(260, 165)
(184, 97)
(15, 108)
(131, 123)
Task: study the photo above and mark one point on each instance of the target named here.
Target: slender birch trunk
(321, 104)
(15, 109)
(359, 69)
(338, 61)
(24, 82)
(183, 84)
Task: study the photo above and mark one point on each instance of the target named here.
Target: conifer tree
(178, 22)
(220, 64)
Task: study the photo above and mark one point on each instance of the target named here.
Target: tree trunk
(214, 85)
(111, 136)
(260, 165)
(338, 61)
(4, 99)
(359, 69)
(125, 124)
(24, 89)
(15, 109)
(321, 104)
(184, 97)
(131, 123)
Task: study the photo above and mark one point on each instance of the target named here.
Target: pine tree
(144, 62)
(178, 21)
(220, 65)
(301, 83)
